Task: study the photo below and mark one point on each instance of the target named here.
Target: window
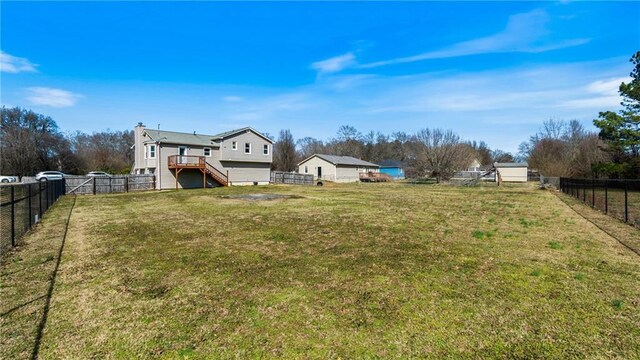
(265, 149)
(207, 152)
(152, 151)
(306, 169)
(247, 148)
(234, 145)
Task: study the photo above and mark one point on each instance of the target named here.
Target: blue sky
(489, 71)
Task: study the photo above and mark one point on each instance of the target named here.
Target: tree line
(31, 142)
(559, 148)
(434, 153)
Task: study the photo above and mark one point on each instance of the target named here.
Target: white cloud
(523, 33)
(14, 64)
(232, 98)
(51, 97)
(334, 64)
(607, 87)
(606, 95)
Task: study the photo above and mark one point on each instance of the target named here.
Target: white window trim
(265, 147)
(204, 151)
(234, 145)
(155, 148)
(245, 148)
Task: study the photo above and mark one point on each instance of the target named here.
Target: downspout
(159, 172)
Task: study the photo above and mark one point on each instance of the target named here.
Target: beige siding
(351, 173)
(138, 150)
(328, 169)
(243, 169)
(257, 148)
(513, 174)
(243, 173)
(189, 178)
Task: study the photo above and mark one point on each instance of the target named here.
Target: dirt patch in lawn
(262, 197)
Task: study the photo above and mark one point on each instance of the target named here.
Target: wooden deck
(374, 177)
(179, 163)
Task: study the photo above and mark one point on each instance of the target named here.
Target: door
(182, 159)
(319, 172)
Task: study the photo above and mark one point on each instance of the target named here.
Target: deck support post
(177, 176)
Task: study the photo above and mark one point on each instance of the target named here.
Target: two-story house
(190, 160)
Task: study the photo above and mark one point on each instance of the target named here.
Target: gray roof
(391, 163)
(342, 160)
(511, 165)
(174, 137)
(233, 132)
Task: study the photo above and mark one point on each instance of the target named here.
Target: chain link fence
(618, 198)
(22, 205)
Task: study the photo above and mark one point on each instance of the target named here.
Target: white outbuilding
(511, 172)
(336, 168)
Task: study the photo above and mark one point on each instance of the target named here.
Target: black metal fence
(618, 198)
(22, 205)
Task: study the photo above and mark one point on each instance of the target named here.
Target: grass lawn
(344, 271)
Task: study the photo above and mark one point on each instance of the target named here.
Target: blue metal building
(393, 168)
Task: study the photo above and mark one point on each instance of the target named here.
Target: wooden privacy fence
(109, 184)
(281, 177)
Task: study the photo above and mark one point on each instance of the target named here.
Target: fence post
(153, 182)
(40, 199)
(46, 195)
(30, 215)
(126, 184)
(606, 197)
(593, 193)
(626, 208)
(13, 216)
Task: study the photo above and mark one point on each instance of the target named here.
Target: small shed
(393, 168)
(336, 168)
(511, 172)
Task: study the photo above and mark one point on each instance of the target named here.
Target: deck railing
(374, 177)
(186, 161)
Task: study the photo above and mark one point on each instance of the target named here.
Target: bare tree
(563, 148)
(31, 142)
(501, 156)
(551, 157)
(586, 154)
(308, 146)
(284, 152)
(108, 150)
(440, 153)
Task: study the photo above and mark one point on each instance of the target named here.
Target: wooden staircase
(216, 174)
(181, 162)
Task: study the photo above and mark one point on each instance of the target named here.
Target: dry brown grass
(368, 270)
